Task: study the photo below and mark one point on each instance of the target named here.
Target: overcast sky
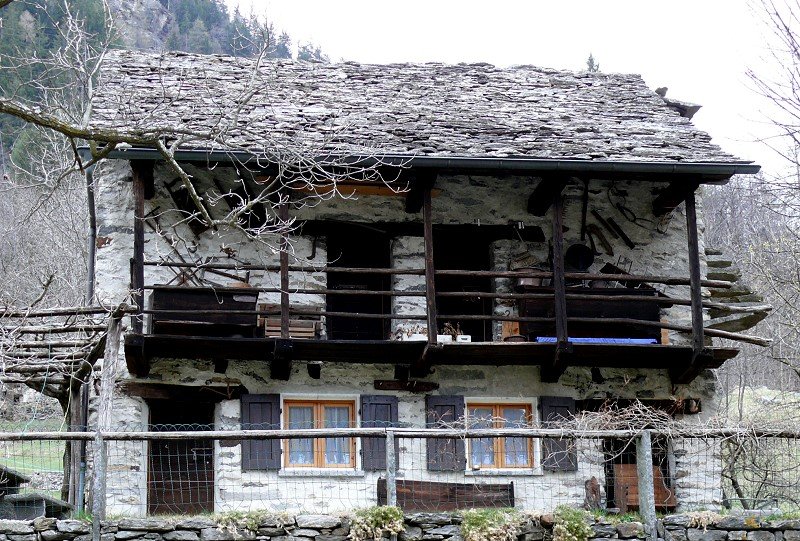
(700, 49)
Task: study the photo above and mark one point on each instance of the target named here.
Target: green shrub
(570, 524)
(490, 525)
(374, 522)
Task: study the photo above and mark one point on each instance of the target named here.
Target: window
(500, 452)
(320, 452)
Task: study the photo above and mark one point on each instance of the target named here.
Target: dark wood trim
(552, 372)
(137, 362)
(141, 170)
(546, 193)
(430, 271)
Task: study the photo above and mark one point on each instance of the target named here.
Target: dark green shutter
(261, 412)
(377, 411)
(557, 454)
(445, 454)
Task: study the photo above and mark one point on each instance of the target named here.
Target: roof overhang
(702, 172)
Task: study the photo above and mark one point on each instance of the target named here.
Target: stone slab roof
(464, 110)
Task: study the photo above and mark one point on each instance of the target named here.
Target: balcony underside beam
(142, 350)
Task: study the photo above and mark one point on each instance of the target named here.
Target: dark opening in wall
(356, 246)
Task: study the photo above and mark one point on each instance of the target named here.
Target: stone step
(730, 275)
(713, 251)
(736, 322)
(719, 263)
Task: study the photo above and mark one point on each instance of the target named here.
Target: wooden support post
(283, 214)
(430, 271)
(644, 470)
(686, 373)
(552, 372)
(140, 176)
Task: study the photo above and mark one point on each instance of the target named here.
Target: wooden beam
(430, 271)
(553, 372)
(144, 169)
(193, 393)
(140, 172)
(281, 365)
(545, 193)
(421, 366)
(673, 195)
(137, 361)
(418, 183)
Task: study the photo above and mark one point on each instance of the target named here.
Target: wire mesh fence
(334, 470)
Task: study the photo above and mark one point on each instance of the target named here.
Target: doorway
(180, 472)
(358, 246)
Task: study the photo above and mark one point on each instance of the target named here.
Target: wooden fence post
(391, 469)
(99, 485)
(644, 470)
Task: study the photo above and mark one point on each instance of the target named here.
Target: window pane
(516, 449)
(516, 454)
(481, 450)
(301, 451)
(515, 417)
(337, 450)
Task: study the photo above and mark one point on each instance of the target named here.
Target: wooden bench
(626, 489)
(30, 505)
(434, 496)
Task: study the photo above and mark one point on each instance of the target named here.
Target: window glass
(500, 452)
(320, 452)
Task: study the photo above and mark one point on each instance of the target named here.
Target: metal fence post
(391, 469)
(99, 485)
(644, 470)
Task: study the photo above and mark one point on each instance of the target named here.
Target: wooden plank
(437, 496)
(430, 271)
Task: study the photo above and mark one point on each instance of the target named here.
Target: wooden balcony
(559, 325)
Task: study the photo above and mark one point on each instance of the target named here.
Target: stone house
(501, 247)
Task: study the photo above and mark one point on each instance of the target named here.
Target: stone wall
(418, 527)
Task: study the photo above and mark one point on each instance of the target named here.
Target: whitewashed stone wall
(408, 253)
(462, 199)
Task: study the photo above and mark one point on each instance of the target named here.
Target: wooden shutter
(261, 412)
(445, 454)
(558, 454)
(377, 411)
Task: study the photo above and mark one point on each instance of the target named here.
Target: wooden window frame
(500, 442)
(319, 444)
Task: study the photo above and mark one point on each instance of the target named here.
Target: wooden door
(180, 472)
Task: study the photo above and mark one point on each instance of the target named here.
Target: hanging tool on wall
(584, 209)
(625, 238)
(595, 233)
(605, 224)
